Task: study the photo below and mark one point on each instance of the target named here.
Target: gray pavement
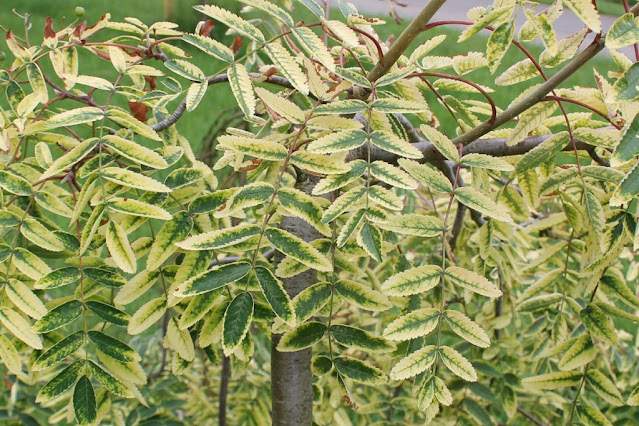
(566, 25)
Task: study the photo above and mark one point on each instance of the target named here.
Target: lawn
(195, 126)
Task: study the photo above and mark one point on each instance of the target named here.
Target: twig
(224, 390)
(404, 40)
(173, 118)
(530, 417)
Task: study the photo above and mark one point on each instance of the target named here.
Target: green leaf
(314, 46)
(19, 327)
(281, 106)
(441, 142)
(614, 283)
(58, 278)
(348, 106)
(120, 248)
(385, 198)
(275, 295)
(486, 162)
(413, 281)
(592, 417)
(74, 117)
(137, 153)
(113, 347)
(84, 405)
(58, 352)
(285, 62)
(354, 75)
(456, 363)
(165, 241)
(552, 381)
(198, 307)
(498, 44)
(413, 224)
(359, 371)
(604, 387)
(310, 300)
(599, 324)
(111, 384)
(472, 281)
(133, 207)
(108, 312)
(127, 120)
(587, 12)
(60, 382)
(318, 163)
(370, 239)
(131, 179)
(415, 363)
(221, 238)
(580, 353)
(391, 143)
(237, 320)
(301, 337)
(543, 152)
(531, 118)
(136, 287)
(25, 299)
(179, 341)
(242, 89)
(232, 21)
(212, 279)
(338, 141)
(427, 176)
(210, 46)
(9, 356)
(350, 227)
(147, 315)
(298, 249)
(335, 182)
(627, 148)
(258, 148)
(415, 324)
(361, 295)
(478, 201)
(624, 32)
(59, 316)
(14, 184)
(34, 231)
(398, 106)
(305, 207)
(359, 339)
(625, 88)
(466, 328)
(29, 264)
(392, 175)
(211, 202)
(342, 203)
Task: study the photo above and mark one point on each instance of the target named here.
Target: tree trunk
(291, 377)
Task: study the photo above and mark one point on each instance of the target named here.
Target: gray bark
(291, 377)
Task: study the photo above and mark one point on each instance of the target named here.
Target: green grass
(219, 100)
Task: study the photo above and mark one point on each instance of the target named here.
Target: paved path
(566, 25)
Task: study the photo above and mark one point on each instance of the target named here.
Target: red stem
(380, 53)
(470, 83)
(583, 105)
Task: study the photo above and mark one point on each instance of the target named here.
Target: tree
(387, 271)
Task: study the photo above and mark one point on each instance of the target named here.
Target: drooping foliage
(486, 276)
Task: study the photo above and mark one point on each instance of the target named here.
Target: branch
(539, 93)
(404, 40)
(173, 118)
